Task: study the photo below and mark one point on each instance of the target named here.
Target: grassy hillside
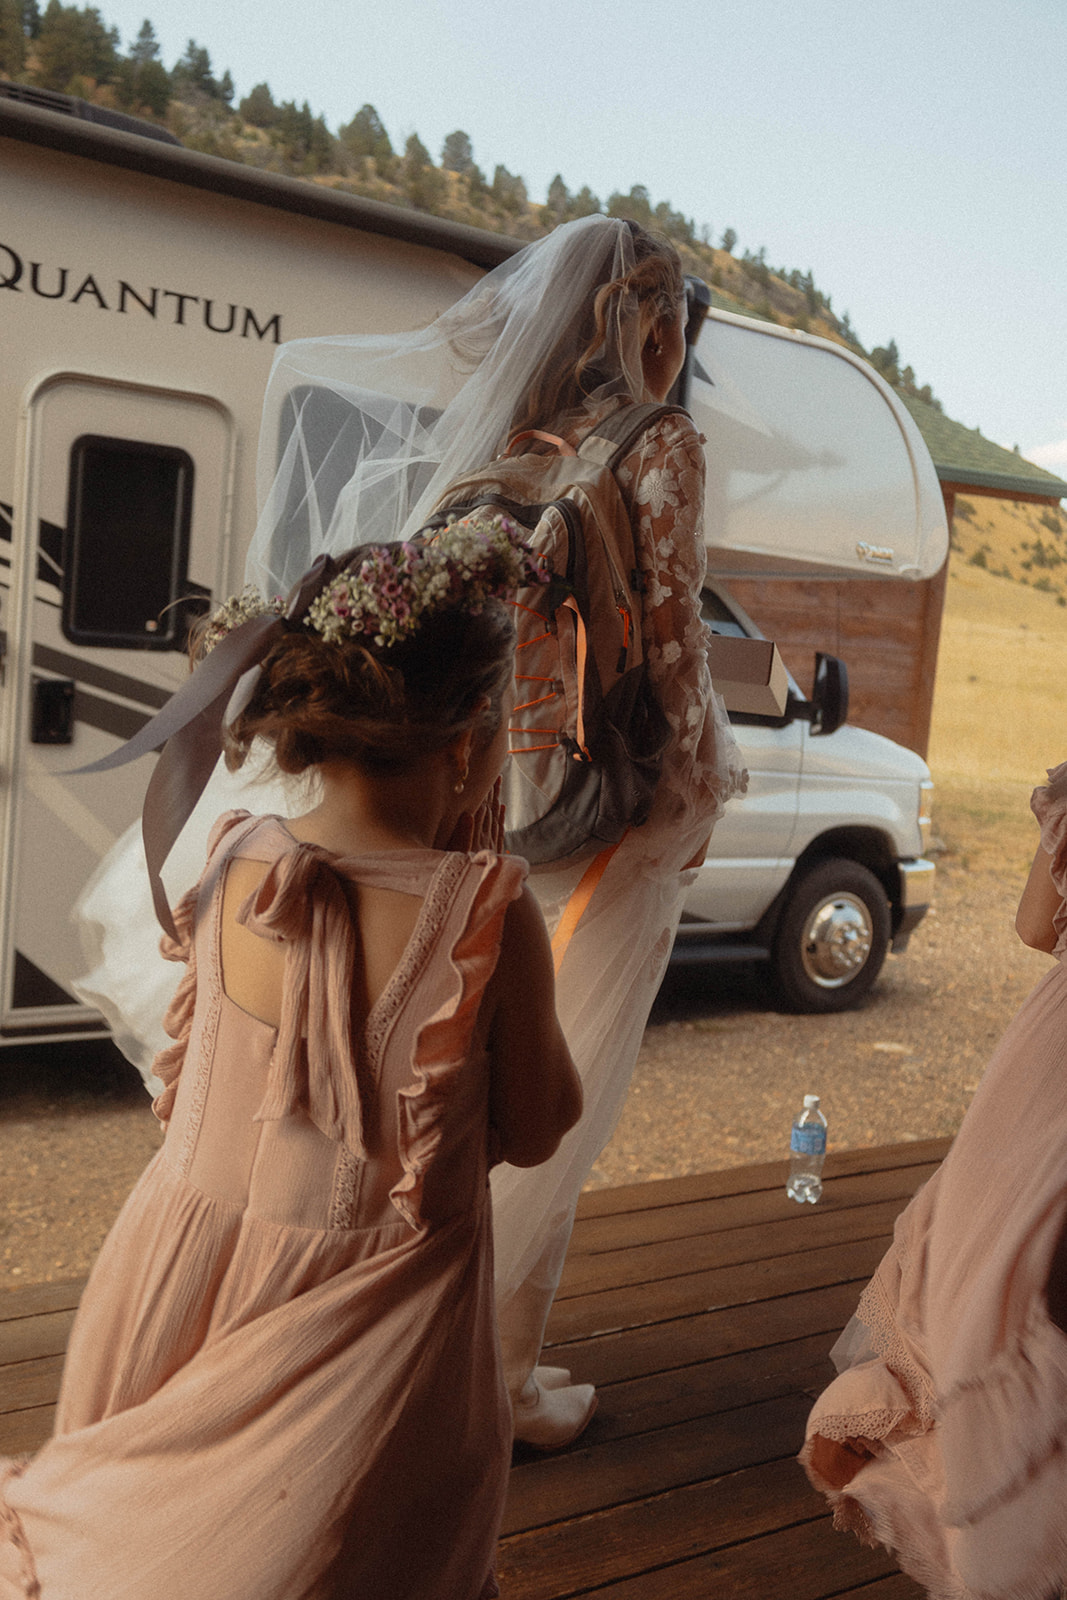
(1025, 543)
(1000, 702)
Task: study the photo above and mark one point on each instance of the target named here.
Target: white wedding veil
(360, 436)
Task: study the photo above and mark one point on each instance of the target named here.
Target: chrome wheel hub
(836, 940)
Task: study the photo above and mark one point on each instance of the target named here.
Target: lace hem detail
(442, 1044)
(866, 1427)
(876, 1312)
(12, 1531)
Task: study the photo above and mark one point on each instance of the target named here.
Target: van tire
(831, 938)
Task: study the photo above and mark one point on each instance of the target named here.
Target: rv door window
(126, 544)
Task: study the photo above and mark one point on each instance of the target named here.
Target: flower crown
(383, 599)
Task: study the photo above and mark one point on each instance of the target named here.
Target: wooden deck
(702, 1308)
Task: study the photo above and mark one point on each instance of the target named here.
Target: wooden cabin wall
(886, 632)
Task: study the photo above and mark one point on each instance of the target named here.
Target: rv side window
(126, 544)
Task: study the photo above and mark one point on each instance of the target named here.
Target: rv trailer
(144, 289)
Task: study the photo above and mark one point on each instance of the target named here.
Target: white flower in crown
(469, 561)
(238, 609)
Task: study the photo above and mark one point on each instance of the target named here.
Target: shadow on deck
(703, 1309)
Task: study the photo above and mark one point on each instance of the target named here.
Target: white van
(819, 868)
(143, 289)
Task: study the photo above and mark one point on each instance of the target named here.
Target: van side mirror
(829, 696)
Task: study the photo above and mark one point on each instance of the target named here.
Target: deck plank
(703, 1308)
(622, 1230)
(583, 1552)
(765, 1240)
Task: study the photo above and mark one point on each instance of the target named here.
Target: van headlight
(926, 808)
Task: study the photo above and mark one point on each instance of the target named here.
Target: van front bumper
(916, 893)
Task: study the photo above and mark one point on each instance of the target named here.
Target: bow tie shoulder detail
(303, 901)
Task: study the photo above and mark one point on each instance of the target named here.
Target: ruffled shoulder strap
(479, 897)
(181, 946)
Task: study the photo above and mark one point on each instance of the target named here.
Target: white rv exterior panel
(813, 463)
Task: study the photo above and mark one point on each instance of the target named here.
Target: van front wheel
(832, 938)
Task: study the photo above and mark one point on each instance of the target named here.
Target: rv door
(119, 536)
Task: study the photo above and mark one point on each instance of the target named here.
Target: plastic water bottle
(807, 1147)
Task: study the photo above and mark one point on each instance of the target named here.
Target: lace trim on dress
(12, 1531)
(876, 1312)
(443, 1043)
(387, 1007)
(345, 1179)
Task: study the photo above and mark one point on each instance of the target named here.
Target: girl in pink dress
(284, 1380)
(945, 1435)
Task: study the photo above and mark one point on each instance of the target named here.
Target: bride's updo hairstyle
(382, 709)
(647, 293)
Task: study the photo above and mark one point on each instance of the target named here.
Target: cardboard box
(749, 674)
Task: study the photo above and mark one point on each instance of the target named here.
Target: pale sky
(910, 152)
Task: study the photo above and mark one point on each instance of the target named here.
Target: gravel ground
(720, 1076)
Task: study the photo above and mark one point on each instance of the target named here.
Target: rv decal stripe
(120, 721)
(82, 671)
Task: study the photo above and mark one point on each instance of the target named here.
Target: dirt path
(719, 1079)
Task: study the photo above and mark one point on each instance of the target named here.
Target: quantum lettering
(147, 305)
(51, 282)
(35, 285)
(208, 304)
(90, 287)
(14, 273)
(179, 311)
(273, 326)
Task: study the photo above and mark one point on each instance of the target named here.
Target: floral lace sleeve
(663, 481)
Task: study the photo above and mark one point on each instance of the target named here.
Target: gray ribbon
(189, 727)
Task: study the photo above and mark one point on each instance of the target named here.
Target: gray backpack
(587, 733)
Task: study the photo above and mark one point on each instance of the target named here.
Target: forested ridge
(73, 50)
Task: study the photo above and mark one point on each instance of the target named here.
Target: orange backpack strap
(561, 445)
(575, 908)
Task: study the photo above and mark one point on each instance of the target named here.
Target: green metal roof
(962, 456)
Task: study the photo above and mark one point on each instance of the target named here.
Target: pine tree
(258, 107)
(509, 191)
(457, 154)
(559, 199)
(365, 135)
(74, 46)
(12, 39)
(422, 182)
(145, 47)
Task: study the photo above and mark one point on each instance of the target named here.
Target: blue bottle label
(810, 1140)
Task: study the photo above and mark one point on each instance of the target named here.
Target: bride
(361, 436)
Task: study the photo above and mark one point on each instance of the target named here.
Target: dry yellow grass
(1000, 712)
